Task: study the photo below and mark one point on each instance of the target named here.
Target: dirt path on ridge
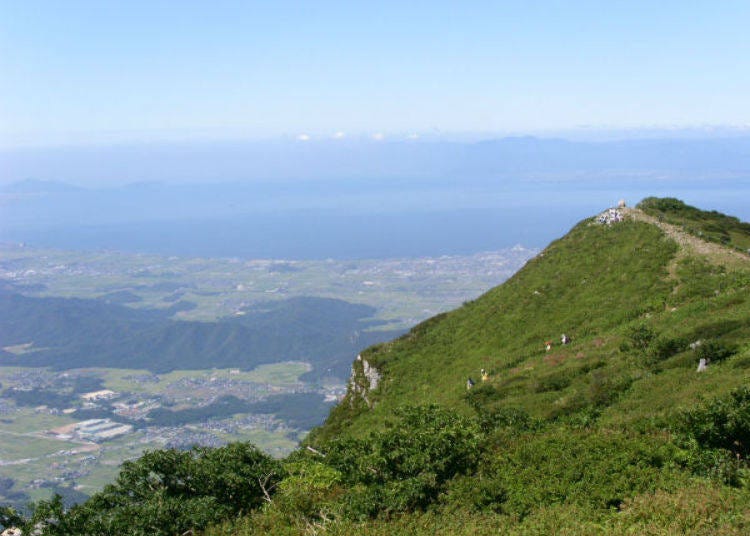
(688, 243)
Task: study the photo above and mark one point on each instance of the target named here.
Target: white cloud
(303, 137)
(378, 136)
(339, 135)
(413, 136)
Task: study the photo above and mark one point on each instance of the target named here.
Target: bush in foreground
(167, 492)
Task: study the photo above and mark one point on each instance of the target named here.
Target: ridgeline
(603, 285)
(616, 431)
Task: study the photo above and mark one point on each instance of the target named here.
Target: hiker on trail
(469, 384)
(485, 376)
(565, 339)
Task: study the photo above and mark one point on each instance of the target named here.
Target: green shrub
(486, 400)
(606, 387)
(711, 225)
(722, 423)
(596, 469)
(640, 337)
(168, 492)
(569, 405)
(406, 466)
(309, 490)
(478, 492)
(556, 381)
(714, 351)
(666, 347)
(718, 464)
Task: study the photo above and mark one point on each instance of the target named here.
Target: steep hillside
(631, 295)
(618, 431)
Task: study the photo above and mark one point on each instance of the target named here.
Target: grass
(279, 374)
(700, 508)
(26, 420)
(707, 225)
(587, 285)
(15, 447)
(594, 285)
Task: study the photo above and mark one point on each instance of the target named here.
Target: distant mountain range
(34, 186)
(515, 157)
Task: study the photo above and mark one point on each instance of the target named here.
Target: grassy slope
(712, 226)
(594, 285)
(603, 404)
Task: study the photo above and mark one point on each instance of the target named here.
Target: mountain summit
(639, 293)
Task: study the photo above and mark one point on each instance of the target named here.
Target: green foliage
(714, 351)
(168, 491)
(605, 387)
(486, 401)
(701, 279)
(708, 225)
(406, 466)
(478, 493)
(555, 381)
(719, 465)
(309, 491)
(666, 347)
(640, 337)
(598, 470)
(9, 517)
(722, 423)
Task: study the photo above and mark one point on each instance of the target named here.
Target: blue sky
(79, 72)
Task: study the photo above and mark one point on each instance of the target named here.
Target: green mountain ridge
(616, 432)
(596, 285)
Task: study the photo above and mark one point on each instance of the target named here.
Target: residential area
(75, 441)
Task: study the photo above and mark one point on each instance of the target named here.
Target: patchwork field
(403, 291)
(41, 454)
(68, 430)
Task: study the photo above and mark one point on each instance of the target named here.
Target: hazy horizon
(313, 129)
(86, 72)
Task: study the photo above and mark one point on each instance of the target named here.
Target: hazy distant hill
(33, 186)
(514, 157)
(70, 333)
(350, 199)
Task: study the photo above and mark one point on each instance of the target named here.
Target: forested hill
(70, 333)
(619, 431)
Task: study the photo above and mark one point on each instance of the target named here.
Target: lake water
(332, 220)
